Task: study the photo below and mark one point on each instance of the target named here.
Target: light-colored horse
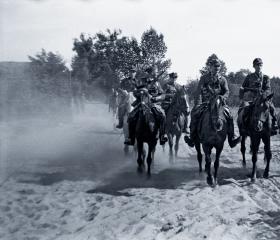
(129, 99)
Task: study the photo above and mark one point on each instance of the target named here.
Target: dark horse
(175, 119)
(212, 133)
(259, 128)
(147, 130)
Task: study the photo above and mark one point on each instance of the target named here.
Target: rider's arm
(225, 89)
(197, 97)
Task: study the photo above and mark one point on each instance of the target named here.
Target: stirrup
(119, 126)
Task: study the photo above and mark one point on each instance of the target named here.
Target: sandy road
(88, 148)
(73, 181)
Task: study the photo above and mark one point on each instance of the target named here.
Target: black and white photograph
(139, 119)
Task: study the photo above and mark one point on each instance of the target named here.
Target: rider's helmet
(215, 62)
(257, 61)
(173, 75)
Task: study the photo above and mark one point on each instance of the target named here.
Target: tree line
(102, 60)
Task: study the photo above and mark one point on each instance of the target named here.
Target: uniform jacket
(253, 85)
(208, 85)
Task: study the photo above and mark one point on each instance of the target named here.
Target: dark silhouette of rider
(209, 84)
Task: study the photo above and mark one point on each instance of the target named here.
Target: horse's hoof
(253, 180)
(210, 181)
(215, 182)
(244, 164)
(265, 175)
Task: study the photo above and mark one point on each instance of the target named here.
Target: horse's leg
(140, 156)
(268, 155)
(217, 163)
(199, 155)
(151, 147)
(207, 151)
(178, 136)
(255, 142)
(243, 150)
(170, 142)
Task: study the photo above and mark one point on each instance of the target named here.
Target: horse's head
(216, 106)
(179, 100)
(260, 112)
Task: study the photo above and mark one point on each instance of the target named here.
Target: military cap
(257, 61)
(215, 62)
(173, 75)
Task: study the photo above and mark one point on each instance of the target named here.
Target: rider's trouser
(195, 115)
(160, 118)
(230, 123)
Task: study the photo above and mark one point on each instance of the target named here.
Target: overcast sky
(236, 30)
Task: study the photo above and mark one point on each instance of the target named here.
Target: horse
(259, 128)
(211, 133)
(175, 119)
(147, 131)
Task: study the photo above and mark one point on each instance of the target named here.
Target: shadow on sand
(166, 179)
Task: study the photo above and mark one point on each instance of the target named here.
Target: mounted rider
(210, 83)
(141, 93)
(126, 85)
(254, 85)
(170, 89)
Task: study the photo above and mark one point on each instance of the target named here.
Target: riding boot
(232, 139)
(190, 139)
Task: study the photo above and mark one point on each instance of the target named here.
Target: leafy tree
(109, 56)
(46, 67)
(238, 77)
(51, 85)
(275, 86)
(191, 89)
(154, 51)
(47, 64)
